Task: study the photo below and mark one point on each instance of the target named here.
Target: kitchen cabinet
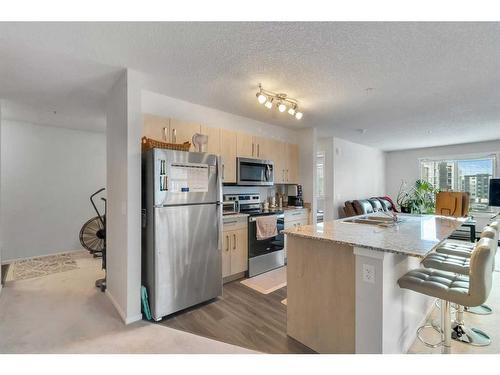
(214, 139)
(292, 164)
(235, 246)
(245, 147)
(228, 148)
(278, 156)
(263, 148)
(156, 127)
(181, 131)
(230, 145)
(294, 218)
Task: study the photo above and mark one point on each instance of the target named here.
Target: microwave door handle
(268, 172)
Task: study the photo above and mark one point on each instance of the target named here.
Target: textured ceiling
(432, 83)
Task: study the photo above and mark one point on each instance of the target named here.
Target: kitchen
(259, 178)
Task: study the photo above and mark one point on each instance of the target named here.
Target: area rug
(267, 282)
(41, 266)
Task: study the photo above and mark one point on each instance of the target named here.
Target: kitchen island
(342, 292)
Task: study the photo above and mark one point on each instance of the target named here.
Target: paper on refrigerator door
(188, 178)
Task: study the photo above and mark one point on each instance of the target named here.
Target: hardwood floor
(243, 317)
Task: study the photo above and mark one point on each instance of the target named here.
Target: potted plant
(417, 199)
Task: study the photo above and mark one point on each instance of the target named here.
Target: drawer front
(234, 223)
(296, 215)
(294, 223)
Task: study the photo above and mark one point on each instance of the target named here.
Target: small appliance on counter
(229, 207)
(295, 196)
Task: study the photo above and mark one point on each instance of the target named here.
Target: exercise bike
(93, 237)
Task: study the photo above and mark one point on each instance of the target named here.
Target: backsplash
(265, 191)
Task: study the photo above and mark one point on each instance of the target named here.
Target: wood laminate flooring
(243, 317)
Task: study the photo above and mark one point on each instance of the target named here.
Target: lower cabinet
(234, 247)
(295, 218)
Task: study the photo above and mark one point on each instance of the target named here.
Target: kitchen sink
(374, 220)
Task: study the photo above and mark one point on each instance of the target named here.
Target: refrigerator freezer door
(186, 178)
(187, 259)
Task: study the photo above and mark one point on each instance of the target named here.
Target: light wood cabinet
(235, 247)
(228, 147)
(214, 139)
(239, 251)
(245, 147)
(226, 254)
(181, 131)
(156, 127)
(292, 164)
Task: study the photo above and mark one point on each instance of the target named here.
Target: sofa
(367, 206)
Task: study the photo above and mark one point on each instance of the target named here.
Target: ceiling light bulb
(298, 115)
(261, 98)
(282, 107)
(269, 104)
(291, 111)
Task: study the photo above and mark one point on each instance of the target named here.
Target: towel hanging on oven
(267, 227)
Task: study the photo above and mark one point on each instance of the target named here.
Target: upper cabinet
(228, 147)
(181, 131)
(245, 147)
(156, 127)
(292, 163)
(214, 139)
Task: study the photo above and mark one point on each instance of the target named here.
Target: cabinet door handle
(165, 135)
(258, 150)
(234, 241)
(174, 135)
(227, 242)
(287, 175)
(222, 172)
(253, 147)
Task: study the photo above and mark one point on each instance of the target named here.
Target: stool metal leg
(462, 333)
(446, 325)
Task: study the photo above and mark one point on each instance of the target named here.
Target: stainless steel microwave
(255, 172)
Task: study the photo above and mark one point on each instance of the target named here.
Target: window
(470, 175)
(320, 174)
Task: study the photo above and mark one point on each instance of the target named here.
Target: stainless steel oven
(255, 172)
(268, 254)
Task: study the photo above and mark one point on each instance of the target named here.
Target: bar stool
(461, 266)
(471, 290)
(464, 250)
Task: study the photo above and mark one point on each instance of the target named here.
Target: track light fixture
(283, 102)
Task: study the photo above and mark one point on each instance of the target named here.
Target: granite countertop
(414, 235)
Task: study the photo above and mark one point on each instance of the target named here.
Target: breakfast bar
(342, 292)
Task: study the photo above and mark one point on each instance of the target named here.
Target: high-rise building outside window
(471, 175)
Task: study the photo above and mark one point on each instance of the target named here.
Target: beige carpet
(64, 313)
(267, 282)
(487, 323)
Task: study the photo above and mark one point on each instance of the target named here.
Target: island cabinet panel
(321, 295)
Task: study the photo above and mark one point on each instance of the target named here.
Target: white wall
(404, 165)
(47, 176)
(124, 197)
(307, 168)
(358, 172)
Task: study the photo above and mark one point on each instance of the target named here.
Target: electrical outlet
(368, 273)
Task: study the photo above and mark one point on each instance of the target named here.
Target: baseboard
(123, 316)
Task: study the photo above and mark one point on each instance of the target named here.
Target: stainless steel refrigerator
(182, 229)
